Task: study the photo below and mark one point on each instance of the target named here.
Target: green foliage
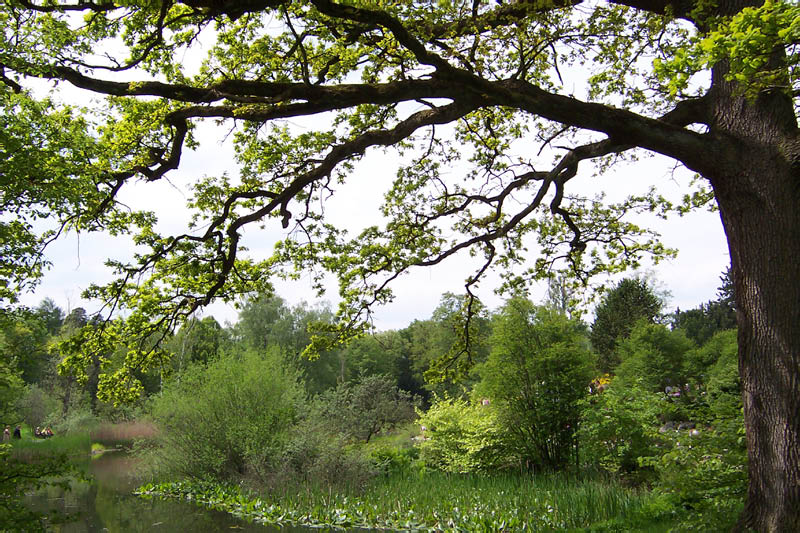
(653, 357)
(702, 323)
(537, 372)
(198, 341)
(391, 460)
(51, 315)
(24, 341)
(266, 321)
(747, 41)
(462, 436)
(619, 427)
(724, 389)
(718, 353)
(632, 300)
(705, 474)
(11, 386)
(387, 353)
(431, 502)
(316, 454)
(20, 472)
(35, 405)
(364, 409)
(229, 419)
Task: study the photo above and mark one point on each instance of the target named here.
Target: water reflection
(105, 503)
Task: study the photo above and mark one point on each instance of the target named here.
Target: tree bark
(757, 189)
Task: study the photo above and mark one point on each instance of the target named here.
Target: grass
(80, 443)
(29, 448)
(441, 502)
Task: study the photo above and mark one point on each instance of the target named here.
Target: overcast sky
(691, 278)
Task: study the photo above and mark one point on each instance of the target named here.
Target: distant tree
(702, 323)
(51, 314)
(11, 386)
(444, 347)
(363, 409)
(23, 343)
(267, 321)
(385, 353)
(537, 372)
(632, 300)
(76, 319)
(198, 340)
(563, 296)
(652, 357)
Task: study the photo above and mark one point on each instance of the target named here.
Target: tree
(702, 323)
(199, 340)
(538, 370)
(653, 357)
(713, 86)
(266, 321)
(51, 314)
(363, 409)
(631, 301)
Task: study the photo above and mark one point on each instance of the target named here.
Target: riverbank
(435, 501)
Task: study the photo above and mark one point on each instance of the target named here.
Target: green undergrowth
(69, 445)
(440, 502)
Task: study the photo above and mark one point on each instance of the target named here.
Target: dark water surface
(106, 503)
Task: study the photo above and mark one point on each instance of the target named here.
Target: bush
(653, 357)
(315, 455)
(620, 426)
(229, 419)
(538, 370)
(706, 475)
(462, 437)
(392, 460)
(362, 410)
(78, 419)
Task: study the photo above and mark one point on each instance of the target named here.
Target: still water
(105, 503)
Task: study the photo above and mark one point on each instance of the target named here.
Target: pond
(105, 502)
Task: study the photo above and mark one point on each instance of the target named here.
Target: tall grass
(440, 502)
(108, 433)
(559, 501)
(73, 444)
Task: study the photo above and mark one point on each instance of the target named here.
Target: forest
(493, 134)
(628, 422)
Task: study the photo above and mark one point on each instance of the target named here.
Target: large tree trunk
(757, 188)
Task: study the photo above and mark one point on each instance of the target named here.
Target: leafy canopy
(475, 97)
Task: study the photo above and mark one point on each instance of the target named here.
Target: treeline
(644, 395)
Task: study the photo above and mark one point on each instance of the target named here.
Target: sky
(690, 279)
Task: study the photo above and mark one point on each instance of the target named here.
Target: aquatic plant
(432, 502)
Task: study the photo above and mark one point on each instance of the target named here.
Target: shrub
(537, 372)
(653, 357)
(77, 419)
(315, 455)
(228, 419)
(619, 426)
(392, 460)
(362, 410)
(462, 437)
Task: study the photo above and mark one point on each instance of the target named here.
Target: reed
(439, 502)
(109, 433)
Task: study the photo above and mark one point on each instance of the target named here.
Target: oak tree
(464, 90)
